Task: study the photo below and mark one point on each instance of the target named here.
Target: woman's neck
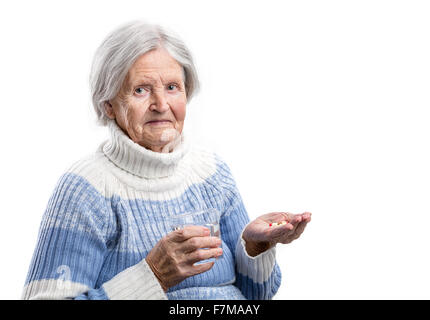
(140, 161)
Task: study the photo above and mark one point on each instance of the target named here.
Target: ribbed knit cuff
(258, 268)
(135, 283)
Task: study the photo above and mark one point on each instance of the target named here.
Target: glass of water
(208, 218)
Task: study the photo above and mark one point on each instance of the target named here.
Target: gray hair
(120, 50)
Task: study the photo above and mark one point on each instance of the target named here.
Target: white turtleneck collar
(139, 161)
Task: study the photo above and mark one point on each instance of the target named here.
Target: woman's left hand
(264, 232)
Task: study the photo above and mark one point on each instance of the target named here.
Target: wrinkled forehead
(155, 63)
(154, 77)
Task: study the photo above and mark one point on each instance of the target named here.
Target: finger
(287, 215)
(188, 232)
(203, 267)
(307, 216)
(195, 243)
(295, 234)
(203, 254)
(300, 228)
(296, 219)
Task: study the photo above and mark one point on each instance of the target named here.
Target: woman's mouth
(158, 122)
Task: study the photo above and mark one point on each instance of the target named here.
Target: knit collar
(137, 160)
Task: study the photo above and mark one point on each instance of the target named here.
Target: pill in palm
(275, 224)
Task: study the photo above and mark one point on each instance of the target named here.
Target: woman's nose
(159, 102)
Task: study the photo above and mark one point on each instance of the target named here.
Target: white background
(318, 106)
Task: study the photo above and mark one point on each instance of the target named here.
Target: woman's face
(153, 90)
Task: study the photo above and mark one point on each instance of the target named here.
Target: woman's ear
(109, 110)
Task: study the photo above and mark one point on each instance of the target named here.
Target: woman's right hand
(172, 258)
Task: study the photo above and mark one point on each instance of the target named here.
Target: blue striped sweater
(110, 209)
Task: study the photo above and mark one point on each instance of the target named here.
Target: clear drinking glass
(208, 218)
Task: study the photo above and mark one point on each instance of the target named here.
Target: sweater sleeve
(73, 240)
(257, 277)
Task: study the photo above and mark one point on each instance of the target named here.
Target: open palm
(265, 229)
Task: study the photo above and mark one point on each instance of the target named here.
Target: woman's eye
(140, 91)
(172, 86)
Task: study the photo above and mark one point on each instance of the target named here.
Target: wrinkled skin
(173, 257)
(153, 89)
(260, 236)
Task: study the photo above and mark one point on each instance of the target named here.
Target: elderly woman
(105, 235)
